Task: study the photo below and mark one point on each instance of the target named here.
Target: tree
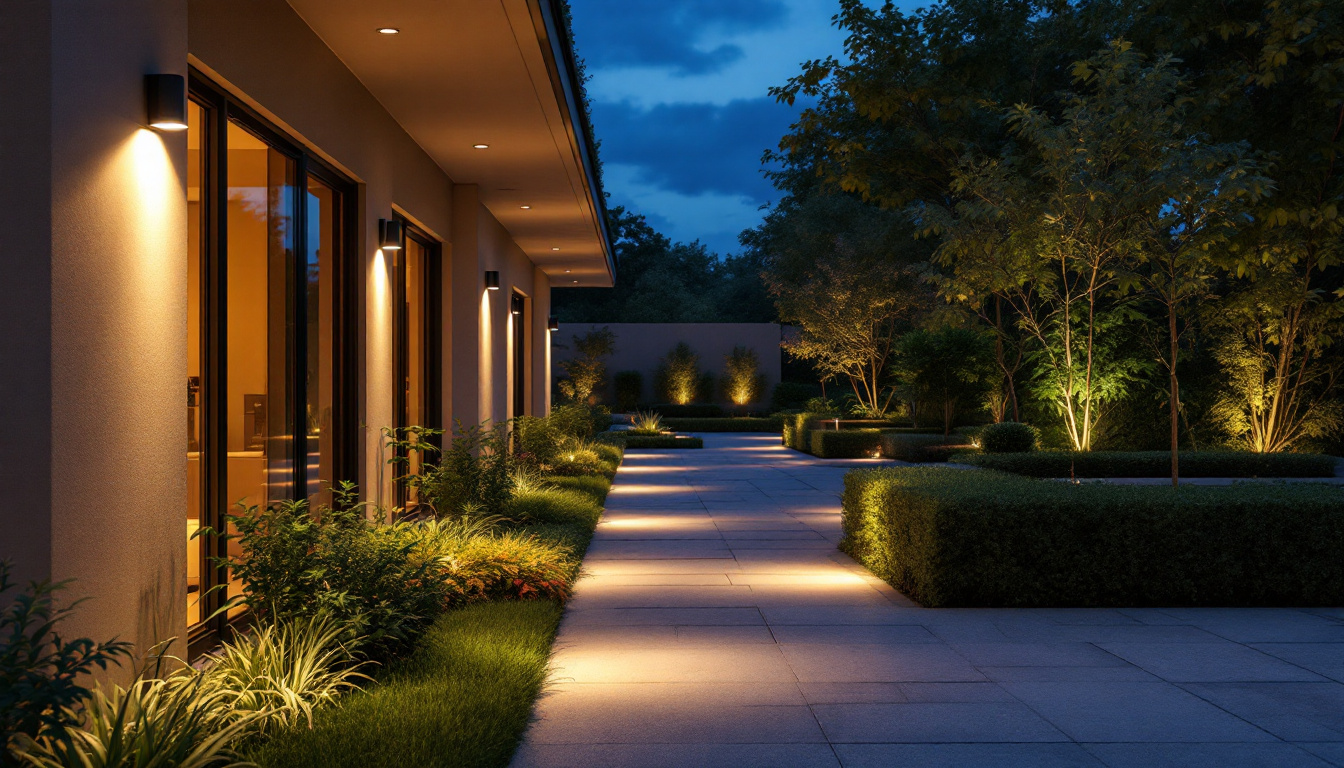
(948, 366)
(742, 381)
(586, 371)
(678, 375)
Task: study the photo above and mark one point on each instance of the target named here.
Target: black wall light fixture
(166, 102)
(492, 280)
(516, 305)
(390, 234)
(552, 323)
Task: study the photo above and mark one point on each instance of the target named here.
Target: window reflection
(323, 238)
(194, 391)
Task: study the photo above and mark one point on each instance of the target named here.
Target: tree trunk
(1175, 394)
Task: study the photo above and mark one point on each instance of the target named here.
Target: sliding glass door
(268, 328)
(417, 317)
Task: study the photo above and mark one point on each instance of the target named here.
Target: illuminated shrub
(742, 381)
(679, 375)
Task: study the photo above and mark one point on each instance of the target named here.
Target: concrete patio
(717, 625)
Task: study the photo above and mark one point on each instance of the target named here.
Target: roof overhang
(496, 72)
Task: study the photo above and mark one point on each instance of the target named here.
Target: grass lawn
(462, 699)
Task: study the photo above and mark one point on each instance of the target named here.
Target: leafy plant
(678, 376)
(476, 470)
(586, 371)
(479, 562)
(948, 368)
(40, 670)
(536, 440)
(646, 424)
(743, 383)
(283, 670)
(577, 421)
(579, 459)
(554, 505)
(1008, 437)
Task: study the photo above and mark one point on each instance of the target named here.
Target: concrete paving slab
(965, 756)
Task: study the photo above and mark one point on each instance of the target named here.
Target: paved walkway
(717, 625)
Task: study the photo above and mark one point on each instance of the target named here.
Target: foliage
(182, 719)
(594, 487)
(554, 506)
(646, 423)
(1008, 437)
(579, 459)
(918, 448)
(845, 443)
(536, 441)
(629, 387)
(663, 441)
(475, 471)
(576, 421)
(296, 562)
(586, 370)
(1157, 464)
(476, 561)
(796, 428)
(678, 377)
(284, 670)
(463, 698)
(950, 368)
(688, 411)
(40, 671)
(742, 381)
(739, 424)
(660, 281)
(792, 395)
(980, 538)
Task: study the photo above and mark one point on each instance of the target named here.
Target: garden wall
(641, 346)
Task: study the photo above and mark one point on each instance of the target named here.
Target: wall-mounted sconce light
(516, 305)
(166, 102)
(391, 236)
(491, 280)
(552, 323)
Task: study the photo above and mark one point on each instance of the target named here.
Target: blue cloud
(615, 33)
(695, 148)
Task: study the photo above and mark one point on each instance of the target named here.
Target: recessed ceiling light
(576, 281)
(566, 271)
(480, 146)
(555, 249)
(389, 31)
(525, 207)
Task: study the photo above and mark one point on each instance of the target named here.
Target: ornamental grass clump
(646, 424)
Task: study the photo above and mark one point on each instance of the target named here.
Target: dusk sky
(680, 103)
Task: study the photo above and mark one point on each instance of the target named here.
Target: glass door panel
(259, 333)
(324, 238)
(196, 554)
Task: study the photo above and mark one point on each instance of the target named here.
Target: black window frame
(432, 354)
(219, 109)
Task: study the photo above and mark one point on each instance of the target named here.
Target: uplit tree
(586, 371)
(948, 368)
(742, 381)
(678, 375)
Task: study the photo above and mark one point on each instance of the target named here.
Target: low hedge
(920, 448)
(845, 444)
(1157, 464)
(957, 538)
(688, 411)
(744, 424)
(663, 441)
(795, 428)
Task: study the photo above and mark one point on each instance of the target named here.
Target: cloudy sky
(680, 103)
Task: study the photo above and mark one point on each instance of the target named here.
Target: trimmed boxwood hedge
(1157, 464)
(688, 411)
(663, 441)
(796, 426)
(949, 537)
(919, 448)
(845, 444)
(745, 424)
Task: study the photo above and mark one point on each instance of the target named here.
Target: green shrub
(39, 670)
(792, 395)
(611, 455)
(1158, 464)
(475, 561)
(742, 424)
(796, 426)
(475, 471)
(950, 537)
(579, 459)
(678, 378)
(688, 411)
(537, 441)
(629, 387)
(664, 441)
(554, 506)
(846, 443)
(742, 382)
(1008, 437)
(920, 448)
(596, 487)
(579, 421)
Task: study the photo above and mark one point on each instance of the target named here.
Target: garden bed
(1155, 464)
(955, 538)
(662, 441)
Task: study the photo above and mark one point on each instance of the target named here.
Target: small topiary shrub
(949, 537)
(920, 448)
(846, 444)
(1008, 437)
(1157, 464)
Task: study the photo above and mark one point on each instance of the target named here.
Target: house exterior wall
(93, 286)
(641, 347)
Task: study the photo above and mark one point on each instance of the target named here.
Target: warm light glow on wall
(158, 196)
(487, 361)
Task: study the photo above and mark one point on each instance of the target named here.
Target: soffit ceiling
(465, 72)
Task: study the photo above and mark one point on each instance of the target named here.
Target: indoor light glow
(389, 31)
(480, 146)
(525, 207)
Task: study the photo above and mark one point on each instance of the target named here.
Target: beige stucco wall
(641, 347)
(93, 289)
